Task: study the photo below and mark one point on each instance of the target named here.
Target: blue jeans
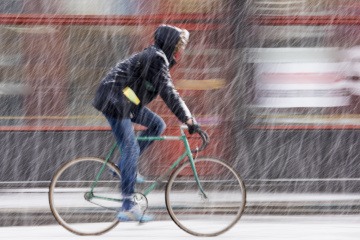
(130, 147)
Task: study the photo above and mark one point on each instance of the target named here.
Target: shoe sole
(128, 217)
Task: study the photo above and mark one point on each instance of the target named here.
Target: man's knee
(161, 127)
(158, 127)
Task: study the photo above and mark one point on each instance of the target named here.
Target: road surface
(326, 227)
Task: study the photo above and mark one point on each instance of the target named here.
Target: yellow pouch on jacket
(131, 95)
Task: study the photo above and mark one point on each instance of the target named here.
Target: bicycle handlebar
(204, 137)
(205, 141)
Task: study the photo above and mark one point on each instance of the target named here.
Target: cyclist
(123, 95)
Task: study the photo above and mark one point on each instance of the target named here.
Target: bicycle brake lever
(196, 152)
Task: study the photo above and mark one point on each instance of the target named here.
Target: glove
(193, 128)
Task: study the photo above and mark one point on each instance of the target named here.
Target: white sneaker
(140, 178)
(134, 214)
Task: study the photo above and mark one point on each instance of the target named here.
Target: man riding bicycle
(123, 95)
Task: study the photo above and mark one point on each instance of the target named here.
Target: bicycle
(204, 196)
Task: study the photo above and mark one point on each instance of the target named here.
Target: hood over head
(166, 38)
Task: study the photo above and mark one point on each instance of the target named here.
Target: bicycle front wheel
(213, 211)
(76, 206)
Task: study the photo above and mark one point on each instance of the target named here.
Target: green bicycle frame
(149, 189)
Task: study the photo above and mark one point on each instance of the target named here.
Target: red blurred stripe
(306, 20)
(305, 127)
(191, 21)
(52, 128)
(102, 128)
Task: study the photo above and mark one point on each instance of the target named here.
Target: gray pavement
(250, 227)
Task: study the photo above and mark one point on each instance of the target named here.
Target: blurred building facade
(54, 55)
(274, 82)
(59, 51)
(302, 62)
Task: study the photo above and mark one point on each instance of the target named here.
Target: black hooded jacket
(147, 74)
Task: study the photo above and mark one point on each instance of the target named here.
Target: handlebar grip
(205, 140)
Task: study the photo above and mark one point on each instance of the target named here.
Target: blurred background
(275, 83)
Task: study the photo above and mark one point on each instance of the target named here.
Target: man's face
(178, 54)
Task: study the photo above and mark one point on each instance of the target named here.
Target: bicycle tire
(69, 188)
(225, 203)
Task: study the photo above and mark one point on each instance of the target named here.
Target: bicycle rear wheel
(75, 206)
(211, 215)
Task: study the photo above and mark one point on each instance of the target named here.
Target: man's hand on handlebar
(193, 126)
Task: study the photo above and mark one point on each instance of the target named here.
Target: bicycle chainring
(142, 200)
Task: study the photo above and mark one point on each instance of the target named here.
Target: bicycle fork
(192, 164)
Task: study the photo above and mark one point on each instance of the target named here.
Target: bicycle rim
(70, 198)
(211, 215)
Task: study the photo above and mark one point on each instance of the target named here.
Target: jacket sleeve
(168, 92)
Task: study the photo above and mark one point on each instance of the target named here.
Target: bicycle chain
(135, 199)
